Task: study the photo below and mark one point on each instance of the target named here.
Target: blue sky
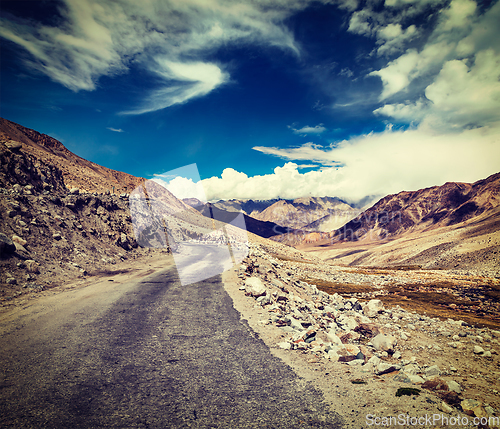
(269, 98)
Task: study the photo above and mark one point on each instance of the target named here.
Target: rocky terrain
(354, 343)
(76, 172)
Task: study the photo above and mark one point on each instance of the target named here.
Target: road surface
(148, 353)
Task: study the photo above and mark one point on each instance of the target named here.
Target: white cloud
(197, 79)
(373, 164)
(116, 130)
(318, 129)
(183, 187)
(171, 40)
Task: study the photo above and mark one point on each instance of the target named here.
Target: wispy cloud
(317, 129)
(116, 130)
(170, 40)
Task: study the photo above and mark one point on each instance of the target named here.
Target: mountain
(308, 213)
(456, 225)
(76, 171)
(62, 218)
(425, 209)
(249, 207)
(261, 228)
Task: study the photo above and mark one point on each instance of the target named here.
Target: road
(148, 353)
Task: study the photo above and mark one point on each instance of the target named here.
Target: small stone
(384, 342)
(11, 281)
(13, 145)
(445, 408)
(7, 246)
(453, 386)
(397, 355)
(373, 307)
(74, 191)
(487, 354)
(17, 239)
(478, 350)
(32, 266)
(56, 236)
(432, 371)
(285, 345)
(255, 287)
(468, 405)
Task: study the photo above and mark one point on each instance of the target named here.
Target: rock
(13, 145)
(402, 377)
(264, 300)
(255, 287)
(414, 378)
(385, 368)
(369, 330)
(74, 191)
(7, 246)
(445, 408)
(397, 355)
(32, 266)
(478, 350)
(56, 236)
(473, 407)
(22, 252)
(333, 338)
(11, 281)
(373, 307)
(453, 386)
(384, 342)
(17, 239)
(432, 371)
(285, 345)
(487, 354)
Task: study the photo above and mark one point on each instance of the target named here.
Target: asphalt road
(147, 354)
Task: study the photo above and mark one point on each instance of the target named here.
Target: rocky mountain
(424, 209)
(261, 228)
(309, 213)
(453, 226)
(249, 207)
(76, 171)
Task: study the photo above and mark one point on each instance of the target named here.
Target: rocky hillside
(76, 171)
(425, 209)
(49, 233)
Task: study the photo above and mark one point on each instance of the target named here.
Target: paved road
(147, 354)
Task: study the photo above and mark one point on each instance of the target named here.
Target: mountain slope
(454, 226)
(76, 171)
(424, 209)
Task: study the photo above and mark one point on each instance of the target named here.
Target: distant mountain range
(456, 225)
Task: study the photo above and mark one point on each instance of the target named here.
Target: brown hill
(424, 209)
(76, 171)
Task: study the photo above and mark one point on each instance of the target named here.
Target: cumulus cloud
(318, 129)
(461, 33)
(170, 40)
(373, 164)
